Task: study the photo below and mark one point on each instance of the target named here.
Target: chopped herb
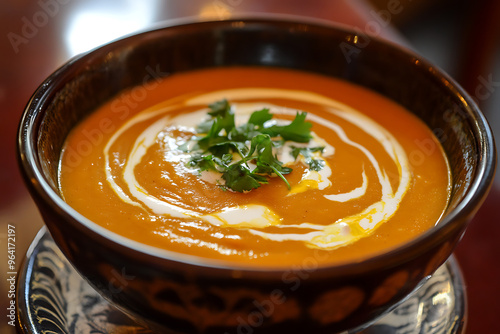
(220, 140)
(307, 153)
(316, 164)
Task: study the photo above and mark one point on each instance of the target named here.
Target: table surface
(39, 36)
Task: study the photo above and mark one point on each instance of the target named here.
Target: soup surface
(355, 176)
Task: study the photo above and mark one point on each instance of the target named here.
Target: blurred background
(462, 37)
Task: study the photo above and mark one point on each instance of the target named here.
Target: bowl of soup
(254, 175)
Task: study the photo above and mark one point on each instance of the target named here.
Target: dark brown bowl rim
(467, 207)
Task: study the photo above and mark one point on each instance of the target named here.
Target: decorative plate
(54, 298)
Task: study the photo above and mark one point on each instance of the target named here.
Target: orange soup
(259, 166)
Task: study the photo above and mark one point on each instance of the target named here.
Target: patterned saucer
(54, 298)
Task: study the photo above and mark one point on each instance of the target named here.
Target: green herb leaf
(298, 130)
(203, 162)
(266, 161)
(220, 108)
(259, 117)
(243, 133)
(239, 178)
(222, 111)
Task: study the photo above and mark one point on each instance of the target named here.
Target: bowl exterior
(174, 296)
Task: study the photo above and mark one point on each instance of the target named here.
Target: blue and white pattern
(53, 298)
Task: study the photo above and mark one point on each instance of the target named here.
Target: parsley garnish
(234, 150)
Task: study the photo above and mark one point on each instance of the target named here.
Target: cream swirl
(255, 217)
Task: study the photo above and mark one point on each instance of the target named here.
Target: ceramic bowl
(174, 293)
